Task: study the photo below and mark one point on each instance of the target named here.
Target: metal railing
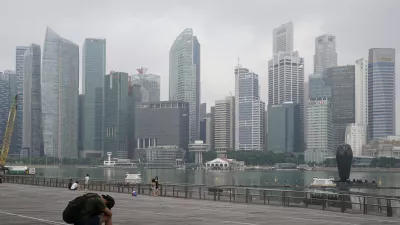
(340, 202)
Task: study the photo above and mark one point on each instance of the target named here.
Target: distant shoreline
(330, 169)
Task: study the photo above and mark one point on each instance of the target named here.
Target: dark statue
(344, 159)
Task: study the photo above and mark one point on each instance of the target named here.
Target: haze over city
(140, 33)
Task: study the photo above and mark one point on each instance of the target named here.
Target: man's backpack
(73, 212)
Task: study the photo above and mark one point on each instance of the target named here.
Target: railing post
(343, 206)
(364, 206)
(389, 208)
(230, 194)
(186, 191)
(173, 190)
(200, 193)
(264, 196)
(215, 194)
(247, 195)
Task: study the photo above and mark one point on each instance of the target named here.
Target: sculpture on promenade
(344, 159)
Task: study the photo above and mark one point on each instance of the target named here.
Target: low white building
(224, 164)
(356, 137)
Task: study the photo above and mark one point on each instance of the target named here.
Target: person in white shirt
(86, 181)
(75, 186)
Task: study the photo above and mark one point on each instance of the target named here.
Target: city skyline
(253, 44)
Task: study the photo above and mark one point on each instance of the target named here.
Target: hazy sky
(140, 33)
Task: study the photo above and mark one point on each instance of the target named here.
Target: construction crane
(7, 134)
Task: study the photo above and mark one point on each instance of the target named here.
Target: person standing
(86, 181)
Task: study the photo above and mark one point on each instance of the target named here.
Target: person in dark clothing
(70, 184)
(156, 184)
(98, 211)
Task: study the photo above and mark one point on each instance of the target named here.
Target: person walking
(87, 181)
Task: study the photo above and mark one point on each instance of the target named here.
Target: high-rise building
(5, 103)
(93, 72)
(16, 143)
(284, 127)
(224, 125)
(361, 90)
(286, 84)
(60, 93)
(381, 93)
(184, 77)
(341, 79)
(116, 102)
(319, 87)
(356, 137)
(319, 131)
(325, 53)
(32, 134)
(151, 82)
(306, 97)
(203, 110)
(162, 123)
(249, 111)
(210, 118)
(283, 38)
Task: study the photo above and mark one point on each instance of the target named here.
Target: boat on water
(323, 182)
(133, 178)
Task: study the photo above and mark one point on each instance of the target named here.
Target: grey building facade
(5, 103)
(184, 76)
(224, 125)
(32, 134)
(325, 53)
(162, 123)
(284, 127)
(116, 111)
(16, 143)
(60, 94)
(93, 72)
(381, 93)
(319, 86)
(341, 79)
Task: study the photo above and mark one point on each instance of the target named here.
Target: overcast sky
(140, 33)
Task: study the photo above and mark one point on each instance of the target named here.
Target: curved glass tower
(184, 77)
(60, 91)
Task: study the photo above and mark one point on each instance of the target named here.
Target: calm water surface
(259, 178)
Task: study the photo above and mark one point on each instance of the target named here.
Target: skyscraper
(60, 84)
(381, 93)
(224, 125)
(116, 102)
(283, 38)
(93, 72)
(16, 143)
(249, 111)
(149, 81)
(341, 79)
(325, 53)
(184, 76)
(32, 135)
(5, 103)
(319, 131)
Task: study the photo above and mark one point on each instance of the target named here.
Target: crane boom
(8, 133)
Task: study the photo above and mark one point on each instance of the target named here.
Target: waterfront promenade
(26, 204)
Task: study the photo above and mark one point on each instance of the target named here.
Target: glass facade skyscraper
(184, 77)
(5, 103)
(151, 82)
(60, 91)
(325, 53)
(93, 72)
(381, 93)
(32, 134)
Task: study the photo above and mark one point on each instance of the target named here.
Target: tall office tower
(286, 84)
(16, 142)
(319, 87)
(93, 72)
(283, 38)
(5, 103)
(284, 127)
(381, 93)
(80, 122)
(149, 81)
(325, 53)
(32, 134)
(209, 125)
(341, 79)
(116, 102)
(249, 111)
(203, 110)
(60, 94)
(361, 90)
(356, 133)
(306, 97)
(12, 76)
(184, 77)
(265, 130)
(224, 125)
(319, 131)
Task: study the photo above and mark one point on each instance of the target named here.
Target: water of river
(260, 178)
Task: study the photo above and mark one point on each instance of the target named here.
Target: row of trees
(382, 162)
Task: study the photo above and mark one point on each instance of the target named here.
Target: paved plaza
(34, 205)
